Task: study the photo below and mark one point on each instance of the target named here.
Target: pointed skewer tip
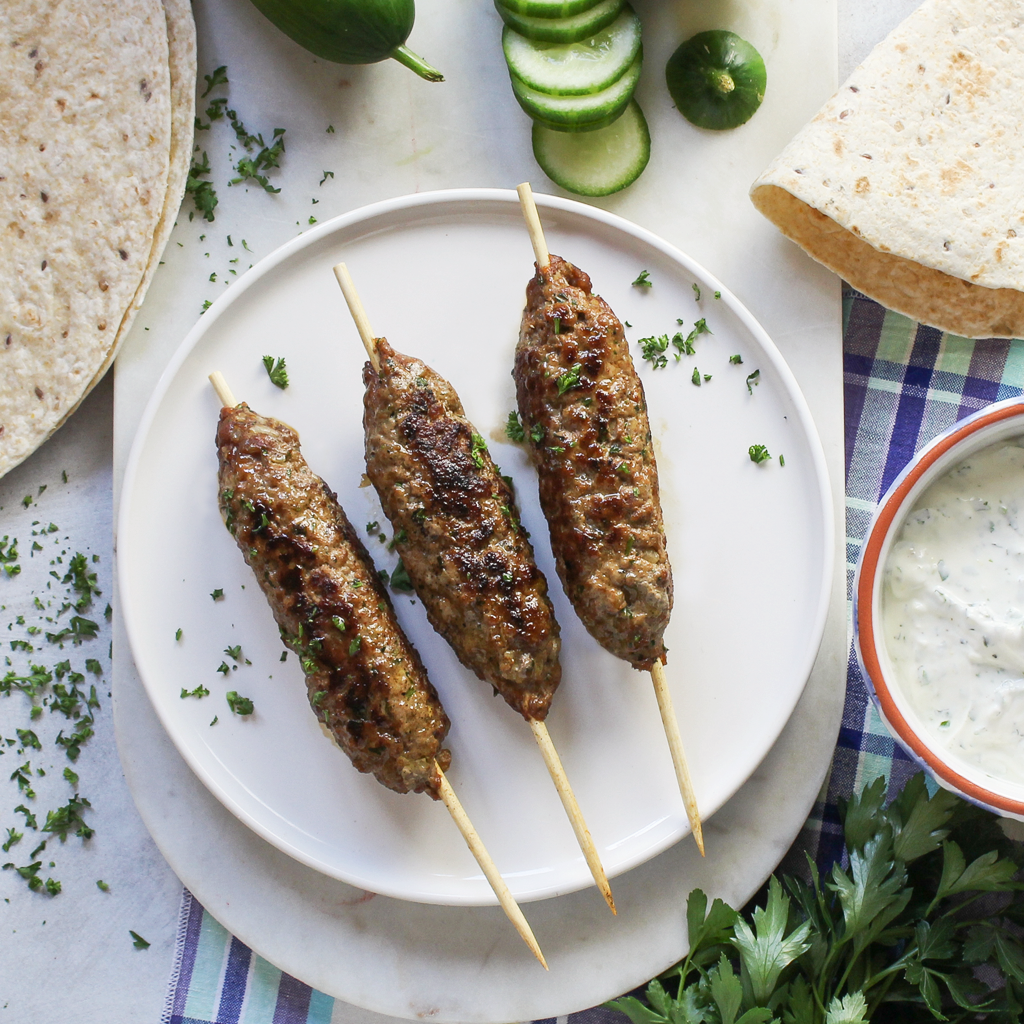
(675, 745)
(572, 810)
(487, 865)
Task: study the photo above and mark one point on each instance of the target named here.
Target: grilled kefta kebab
(584, 412)
(457, 529)
(365, 680)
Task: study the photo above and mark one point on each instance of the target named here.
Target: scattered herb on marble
(924, 923)
(137, 940)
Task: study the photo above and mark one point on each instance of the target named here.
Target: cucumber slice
(596, 163)
(549, 8)
(574, 69)
(562, 30)
(579, 113)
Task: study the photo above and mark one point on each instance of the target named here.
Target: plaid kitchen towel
(904, 383)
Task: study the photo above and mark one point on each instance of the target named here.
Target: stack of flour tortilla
(910, 181)
(97, 103)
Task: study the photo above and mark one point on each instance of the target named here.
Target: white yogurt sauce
(953, 610)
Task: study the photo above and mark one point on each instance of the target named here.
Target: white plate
(442, 276)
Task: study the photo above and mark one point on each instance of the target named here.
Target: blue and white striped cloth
(904, 383)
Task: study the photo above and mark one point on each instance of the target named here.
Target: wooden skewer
(533, 225)
(572, 809)
(220, 385)
(668, 715)
(487, 865)
(355, 307)
(540, 732)
(675, 745)
(451, 801)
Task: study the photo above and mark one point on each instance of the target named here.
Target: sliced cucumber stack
(571, 69)
(574, 65)
(562, 30)
(595, 163)
(579, 113)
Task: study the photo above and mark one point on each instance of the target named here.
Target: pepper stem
(416, 63)
(722, 81)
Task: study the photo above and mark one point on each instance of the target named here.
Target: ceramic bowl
(996, 423)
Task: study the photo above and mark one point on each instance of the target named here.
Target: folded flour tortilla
(910, 181)
(85, 144)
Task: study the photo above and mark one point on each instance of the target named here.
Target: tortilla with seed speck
(85, 129)
(908, 182)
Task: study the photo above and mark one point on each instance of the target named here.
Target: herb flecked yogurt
(953, 610)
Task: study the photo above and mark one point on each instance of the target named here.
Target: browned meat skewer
(457, 529)
(585, 416)
(365, 681)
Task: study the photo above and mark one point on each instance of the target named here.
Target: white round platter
(442, 276)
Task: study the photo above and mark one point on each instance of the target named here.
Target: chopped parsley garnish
(643, 280)
(652, 349)
(219, 77)
(537, 433)
(199, 691)
(138, 941)
(239, 705)
(77, 630)
(267, 157)
(224, 668)
(339, 625)
(218, 594)
(630, 541)
(707, 377)
(69, 818)
(758, 453)
(695, 377)
(752, 379)
(234, 653)
(178, 634)
(514, 429)
(203, 194)
(71, 777)
(216, 719)
(782, 460)
(696, 292)
(327, 174)
(284, 656)
(736, 360)
(479, 446)
(277, 371)
(102, 886)
(353, 647)
(570, 379)
(372, 527)
(718, 295)
(400, 579)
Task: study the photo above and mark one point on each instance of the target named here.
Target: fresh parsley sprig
(922, 921)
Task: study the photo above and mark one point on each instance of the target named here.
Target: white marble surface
(80, 965)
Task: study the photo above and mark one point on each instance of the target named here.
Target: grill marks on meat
(365, 681)
(457, 529)
(595, 460)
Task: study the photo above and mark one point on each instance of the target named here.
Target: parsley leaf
(652, 348)
(643, 280)
(758, 453)
(138, 941)
(514, 430)
(570, 379)
(400, 579)
(277, 371)
(238, 704)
